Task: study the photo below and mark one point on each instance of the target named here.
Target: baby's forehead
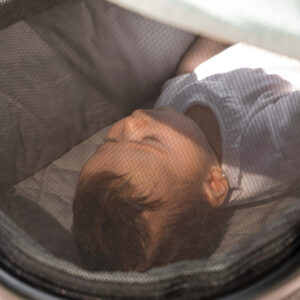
(119, 159)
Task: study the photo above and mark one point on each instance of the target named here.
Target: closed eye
(153, 142)
(109, 140)
(149, 137)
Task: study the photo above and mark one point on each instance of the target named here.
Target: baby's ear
(216, 186)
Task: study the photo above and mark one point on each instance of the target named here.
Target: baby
(158, 190)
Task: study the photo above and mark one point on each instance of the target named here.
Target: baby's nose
(133, 127)
(133, 123)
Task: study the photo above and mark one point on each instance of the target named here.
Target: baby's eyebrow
(109, 140)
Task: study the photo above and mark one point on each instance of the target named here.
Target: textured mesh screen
(141, 161)
(12, 11)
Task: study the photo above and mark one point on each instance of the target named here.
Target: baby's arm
(200, 50)
(284, 119)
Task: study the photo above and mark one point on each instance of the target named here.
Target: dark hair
(111, 233)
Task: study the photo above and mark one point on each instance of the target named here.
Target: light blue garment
(259, 119)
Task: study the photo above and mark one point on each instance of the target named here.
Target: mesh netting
(195, 195)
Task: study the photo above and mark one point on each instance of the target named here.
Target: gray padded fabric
(38, 90)
(75, 69)
(12, 11)
(125, 56)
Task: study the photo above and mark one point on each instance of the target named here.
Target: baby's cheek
(89, 167)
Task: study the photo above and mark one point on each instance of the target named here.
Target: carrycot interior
(68, 74)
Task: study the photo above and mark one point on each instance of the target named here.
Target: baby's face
(156, 148)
